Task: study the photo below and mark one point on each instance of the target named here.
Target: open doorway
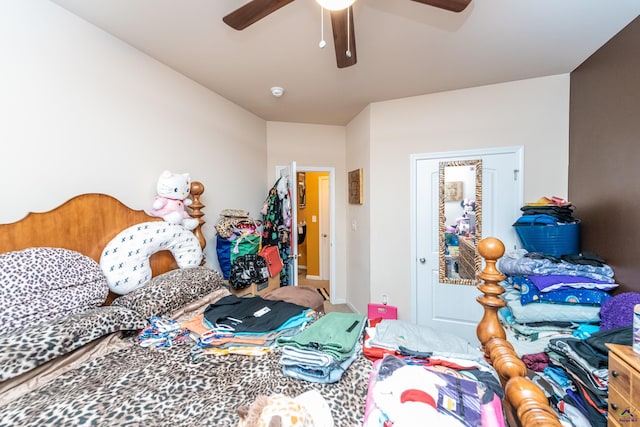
(316, 225)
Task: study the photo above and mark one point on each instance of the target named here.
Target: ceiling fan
(344, 40)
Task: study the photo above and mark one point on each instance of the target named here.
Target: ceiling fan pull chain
(322, 43)
(348, 52)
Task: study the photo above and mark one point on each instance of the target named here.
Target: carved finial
(197, 189)
(491, 249)
(196, 210)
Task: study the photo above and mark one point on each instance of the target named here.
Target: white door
(325, 230)
(289, 173)
(449, 307)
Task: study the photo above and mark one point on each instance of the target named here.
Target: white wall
(84, 112)
(359, 216)
(533, 113)
(315, 146)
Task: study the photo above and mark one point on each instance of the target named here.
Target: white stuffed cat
(173, 196)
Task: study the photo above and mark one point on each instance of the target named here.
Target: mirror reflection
(460, 225)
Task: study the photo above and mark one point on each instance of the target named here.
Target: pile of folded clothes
(561, 310)
(246, 326)
(547, 211)
(548, 296)
(575, 373)
(324, 350)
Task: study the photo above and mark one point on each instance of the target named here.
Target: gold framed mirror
(459, 221)
(302, 189)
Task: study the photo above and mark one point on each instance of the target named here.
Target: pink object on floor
(382, 311)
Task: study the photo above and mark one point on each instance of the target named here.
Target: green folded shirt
(334, 333)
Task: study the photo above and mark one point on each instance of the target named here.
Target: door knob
(422, 260)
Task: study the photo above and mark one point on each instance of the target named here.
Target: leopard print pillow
(23, 350)
(40, 284)
(168, 292)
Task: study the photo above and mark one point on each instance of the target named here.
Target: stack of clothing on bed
(434, 377)
(549, 296)
(248, 326)
(555, 306)
(324, 350)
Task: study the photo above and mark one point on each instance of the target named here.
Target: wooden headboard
(86, 223)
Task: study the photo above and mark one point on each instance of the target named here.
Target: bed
(88, 367)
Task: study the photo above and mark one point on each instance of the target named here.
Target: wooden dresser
(624, 386)
(467, 258)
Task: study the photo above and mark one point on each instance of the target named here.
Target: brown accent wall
(604, 153)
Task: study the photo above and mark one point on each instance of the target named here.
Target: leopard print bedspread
(143, 387)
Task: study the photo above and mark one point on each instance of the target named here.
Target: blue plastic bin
(556, 240)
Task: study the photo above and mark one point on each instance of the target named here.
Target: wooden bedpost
(196, 211)
(491, 249)
(521, 394)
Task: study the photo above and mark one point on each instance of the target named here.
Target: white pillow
(125, 259)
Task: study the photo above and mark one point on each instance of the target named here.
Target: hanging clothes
(272, 217)
(277, 224)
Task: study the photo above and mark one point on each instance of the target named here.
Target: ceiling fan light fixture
(335, 4)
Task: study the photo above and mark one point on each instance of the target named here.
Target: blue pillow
(553, 282)
(529, 293)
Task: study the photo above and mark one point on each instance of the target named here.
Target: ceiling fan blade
(344, 39)
(253, 11)
(452, 5)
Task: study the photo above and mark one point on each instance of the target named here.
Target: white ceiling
(404, 48)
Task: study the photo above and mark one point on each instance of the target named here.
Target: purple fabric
(536, 361)
(617, 312)
(554, 282)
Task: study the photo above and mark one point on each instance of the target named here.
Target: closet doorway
(314, 189)
(446, 305)
(316, 259)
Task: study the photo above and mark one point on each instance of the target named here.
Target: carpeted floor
(322, 286)
(303, 281)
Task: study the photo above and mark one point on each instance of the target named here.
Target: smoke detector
(277, 91)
